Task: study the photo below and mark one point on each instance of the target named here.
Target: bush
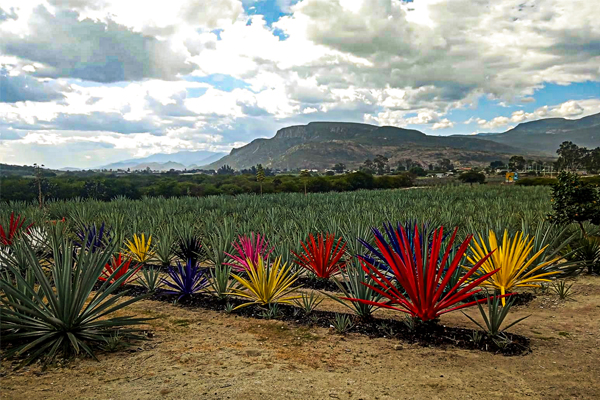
(472, 177)
(43, 316)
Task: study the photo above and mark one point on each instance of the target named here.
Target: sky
(84, 83)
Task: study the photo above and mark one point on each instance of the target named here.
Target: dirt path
(210, 355)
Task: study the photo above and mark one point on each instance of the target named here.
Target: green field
(287, 218)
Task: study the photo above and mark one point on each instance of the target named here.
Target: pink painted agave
(249, 249)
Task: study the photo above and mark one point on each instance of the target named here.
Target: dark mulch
(318, 284)
(430, 334)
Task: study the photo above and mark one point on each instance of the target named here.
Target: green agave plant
(496, 314)
(44, 314)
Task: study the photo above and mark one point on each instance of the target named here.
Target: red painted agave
(423, 289)
(14, 229)
(320, 257)
(121, 267)
(249, 248)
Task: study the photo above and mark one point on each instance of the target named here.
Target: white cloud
(443, 124)
(386, 62)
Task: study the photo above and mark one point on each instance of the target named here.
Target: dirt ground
(209, 355)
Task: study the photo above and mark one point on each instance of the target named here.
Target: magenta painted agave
(249, 248)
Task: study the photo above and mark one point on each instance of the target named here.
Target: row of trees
(380, 165)
(108, 186)
(573, 158)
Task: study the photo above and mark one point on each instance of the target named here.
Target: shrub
(187, 280)
(250, 250)
(512, 261)
(189, 245)
(472, 177)
(150, 279)
(92, 238)
(358, 285)
(266, 284)
(14, 230)
(320, 257)
(422, 278)
(495, 316)
(118, 267)
(44, 316)
(140, 249)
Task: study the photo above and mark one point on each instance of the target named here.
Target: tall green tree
(570, 156)
(517, 163)
(574, 200)
(339, 167)
(380, 163)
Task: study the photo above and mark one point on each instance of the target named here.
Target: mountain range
(545, 135)
(165, 162)
(320, 145)
(323, 144)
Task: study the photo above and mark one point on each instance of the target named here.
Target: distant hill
(187, 159)
(545, 135)
(323, 144)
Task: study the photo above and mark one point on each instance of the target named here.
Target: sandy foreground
(209, 355)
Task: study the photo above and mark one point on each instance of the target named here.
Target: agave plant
(422, 290)
(117, 267)
(495, 316)
(150, 279)
(139, 249)
(512, 261)
(375, 257)
(220, 283)
(266, 285)
(250, 250)
(14, 230)
(92, 238)
(189, 246)
(357, 284)
(164, 246)
(186, 280)
(320, 257)
(43, 316)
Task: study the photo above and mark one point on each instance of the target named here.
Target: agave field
(394, 262)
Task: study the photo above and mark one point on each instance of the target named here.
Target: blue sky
(99, 81)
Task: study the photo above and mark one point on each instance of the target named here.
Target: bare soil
(201, 354)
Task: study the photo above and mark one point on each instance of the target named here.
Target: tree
(339, 168)
(592, 161)
(95, 189)
(517, 163)
(368, 167)
(260, 176)
(574, 200)
(305, 175)
(225, 170)
(472, 177)
(446, 165)
(418, 171)
(380, 163)
(570, 156)
(497, 164)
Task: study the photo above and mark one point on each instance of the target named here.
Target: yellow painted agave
(266, 284)
(139, 249)
(512, 258)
